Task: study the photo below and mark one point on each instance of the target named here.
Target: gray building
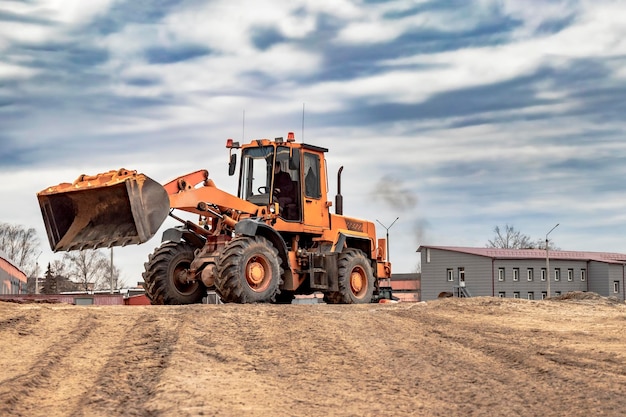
(518, 273)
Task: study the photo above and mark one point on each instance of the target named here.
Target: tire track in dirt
(455, 358)
(127, 381)
(21, 325)
(226, 341)
(516, 354)
(374, 364)
(308, 347)
(21, 394)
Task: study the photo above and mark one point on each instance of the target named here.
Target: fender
(181, 233)
(253, 227)
(352, 240)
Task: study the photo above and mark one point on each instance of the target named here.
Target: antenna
(387, 228)
(303, 122)
(243, 127)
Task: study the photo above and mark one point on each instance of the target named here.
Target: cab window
(312, 175)
(256, 174)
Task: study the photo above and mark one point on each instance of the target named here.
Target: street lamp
(548, 260)
(37, 273)
(387, 228)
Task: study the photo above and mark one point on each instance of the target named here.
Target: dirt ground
(450, 357)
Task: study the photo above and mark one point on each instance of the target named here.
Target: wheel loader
(249, 248)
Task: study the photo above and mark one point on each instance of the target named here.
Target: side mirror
(232, 164)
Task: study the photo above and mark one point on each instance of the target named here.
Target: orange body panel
(188, 198)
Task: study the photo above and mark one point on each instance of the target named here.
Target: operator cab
(286, 173)
(272, 169)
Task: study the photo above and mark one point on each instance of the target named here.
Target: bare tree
(89, 268)
(21, 245)
(117, 280)
(509, 238)
(58, 267)
(541, 244)
(56, 283)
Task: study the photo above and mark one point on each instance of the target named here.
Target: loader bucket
(116, 208)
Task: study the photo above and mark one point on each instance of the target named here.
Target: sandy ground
(451, 357)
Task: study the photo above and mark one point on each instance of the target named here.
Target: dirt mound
(451, 357)
(589, 297)
(30, 301)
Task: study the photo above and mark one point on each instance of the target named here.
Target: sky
(452, 117)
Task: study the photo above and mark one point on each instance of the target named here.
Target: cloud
(489, 111)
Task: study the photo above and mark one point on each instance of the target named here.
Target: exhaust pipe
(339, 197)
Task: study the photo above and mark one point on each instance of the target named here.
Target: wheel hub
(255, 273)
(182, 276)
(357, 280)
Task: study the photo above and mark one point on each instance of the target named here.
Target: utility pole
(548, 260)
(111, 269)
(387, 228)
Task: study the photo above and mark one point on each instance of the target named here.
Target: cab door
(314, 196)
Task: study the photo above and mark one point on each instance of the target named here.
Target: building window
(543, 274)
(502, 294)
(570, 275)
(557, 293)
(583, 274)
(515, 274)
(544, 295)
(530, 274)
(500, 274)
(531, 295)
(450, 274)
(557, 274)
(516, 294)
(427, 255)
(616, 287)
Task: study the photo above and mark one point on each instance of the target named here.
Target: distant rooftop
(4, 256)
(494, 253)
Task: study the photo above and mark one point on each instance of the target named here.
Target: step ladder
(461, 291)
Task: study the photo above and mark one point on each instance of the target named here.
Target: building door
(461, 277)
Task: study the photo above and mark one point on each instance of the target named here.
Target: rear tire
(356, 280)
(249, 271)
(161, 271)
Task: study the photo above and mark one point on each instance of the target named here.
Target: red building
(12, 279)
(406, 287)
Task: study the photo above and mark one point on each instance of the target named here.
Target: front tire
(162, 275)
(356, 280)
(249, 271)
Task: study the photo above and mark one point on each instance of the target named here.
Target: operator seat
(291, 209)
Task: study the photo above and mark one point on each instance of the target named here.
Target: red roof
(11, 269)
(494, 253)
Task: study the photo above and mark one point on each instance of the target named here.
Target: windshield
(256, 175)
